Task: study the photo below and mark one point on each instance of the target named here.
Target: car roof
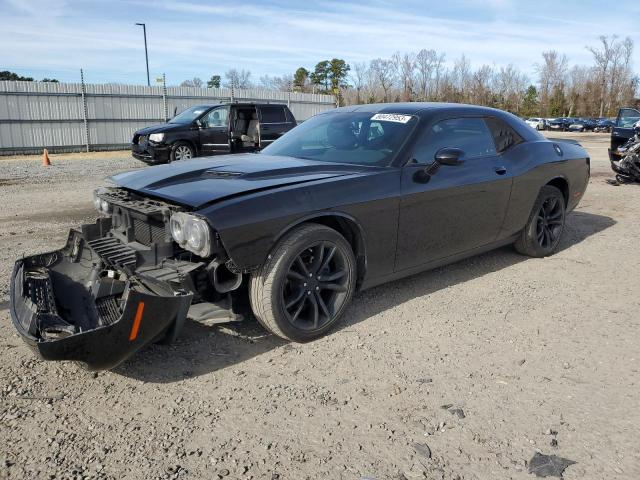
(417, 108)
(429, 109)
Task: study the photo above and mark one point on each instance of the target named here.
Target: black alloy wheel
(305, 284)
(542, 234)
(549, 222)
(316, 286)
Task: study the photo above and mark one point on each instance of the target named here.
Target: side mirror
(449, 156)
(199, 123)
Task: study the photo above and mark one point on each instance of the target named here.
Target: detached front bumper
(100, 321)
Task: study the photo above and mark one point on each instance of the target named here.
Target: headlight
(177, 230)
(105, 207)
(101, 205)
(97, 202)
(156, 137)
(191, 233)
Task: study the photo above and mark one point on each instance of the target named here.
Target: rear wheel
(305, 285)
(543, 231)
(181, 151)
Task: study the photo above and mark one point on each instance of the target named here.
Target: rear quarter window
(504, 136)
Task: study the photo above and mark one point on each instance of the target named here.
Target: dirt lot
(530, 350)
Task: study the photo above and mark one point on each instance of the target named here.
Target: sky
(199, 38)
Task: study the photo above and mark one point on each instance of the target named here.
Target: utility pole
(146, 53)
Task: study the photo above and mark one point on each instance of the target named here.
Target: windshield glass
(363, 138)
(189, 115)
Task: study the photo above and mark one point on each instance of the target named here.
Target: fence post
(85, 113)
(164, 98)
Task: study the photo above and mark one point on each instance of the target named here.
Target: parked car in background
(604, 125)
(537, 123)
(581, 125)
(212, 129)
(577, 126)
(623, 129)
(352, 198)
(560, 124)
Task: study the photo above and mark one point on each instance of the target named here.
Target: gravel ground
(527, 354)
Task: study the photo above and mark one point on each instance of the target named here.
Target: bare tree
(359, 77)
(283, 83)
(510, 88)
(481, 86)
(193, 83)
(603, 60)
(551, 75)
(237, 78)
(382, 71)
(427, 63)
(405, 65)
(460, 78)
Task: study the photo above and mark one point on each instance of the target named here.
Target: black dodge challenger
(352, 198)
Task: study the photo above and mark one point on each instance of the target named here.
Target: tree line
(7, 75)
(557, 89)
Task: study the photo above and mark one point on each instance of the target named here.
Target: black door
(214, 131)
(454, 209)
(273, 123)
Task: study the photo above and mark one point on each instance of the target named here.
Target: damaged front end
(119, 284)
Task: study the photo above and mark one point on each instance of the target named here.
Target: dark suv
(211, 129)
(622, 131)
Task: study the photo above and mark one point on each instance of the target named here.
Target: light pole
(146, 54)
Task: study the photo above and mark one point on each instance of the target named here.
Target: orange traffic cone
(45, 158)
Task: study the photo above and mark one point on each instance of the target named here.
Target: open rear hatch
(72, 305)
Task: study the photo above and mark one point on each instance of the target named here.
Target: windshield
(189, 115)
(362, 138)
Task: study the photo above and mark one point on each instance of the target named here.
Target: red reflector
(136, 322)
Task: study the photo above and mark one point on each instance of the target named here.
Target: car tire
(287, 293)
(181, 151)
(543, 231)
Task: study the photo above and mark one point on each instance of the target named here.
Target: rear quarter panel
(535, 164)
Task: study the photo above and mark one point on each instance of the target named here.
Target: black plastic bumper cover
(145, 317)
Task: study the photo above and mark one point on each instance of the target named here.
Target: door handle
(500, 170)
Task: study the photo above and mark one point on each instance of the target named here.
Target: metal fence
(66, 117)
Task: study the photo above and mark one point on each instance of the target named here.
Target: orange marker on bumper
(136, 322)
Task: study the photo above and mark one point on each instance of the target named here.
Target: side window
(504, 136)
(470, 135)
(272, 114)
(290, 117)
(218, 117)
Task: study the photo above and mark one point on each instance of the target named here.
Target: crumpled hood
(161, 127)
(202, 181)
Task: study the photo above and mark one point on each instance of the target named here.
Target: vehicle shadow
(205, 349)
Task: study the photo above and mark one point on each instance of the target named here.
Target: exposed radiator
(148, 233)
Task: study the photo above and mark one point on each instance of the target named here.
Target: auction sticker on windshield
(391, 117)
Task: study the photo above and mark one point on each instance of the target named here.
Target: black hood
(202, 181)
(161, 127)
